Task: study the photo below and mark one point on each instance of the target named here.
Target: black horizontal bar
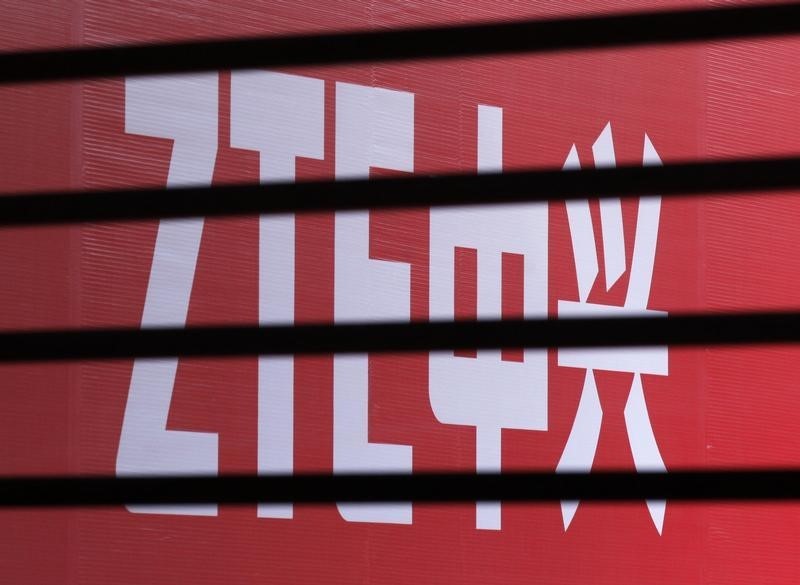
(722, 329)
(419, 487)
(740, 176)
(586, 32)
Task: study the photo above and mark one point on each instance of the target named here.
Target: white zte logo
(281, 117)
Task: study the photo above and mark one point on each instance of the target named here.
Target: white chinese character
(579, 451)
(486, 392)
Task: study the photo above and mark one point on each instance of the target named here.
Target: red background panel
(717, 407)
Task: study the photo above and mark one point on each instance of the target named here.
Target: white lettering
(579, 452)
(282, 117)
(487, 392)
(183, 108)
(374, 127)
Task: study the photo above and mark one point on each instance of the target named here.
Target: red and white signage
(509, 409)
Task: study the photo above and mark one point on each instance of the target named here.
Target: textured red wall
(715, 408)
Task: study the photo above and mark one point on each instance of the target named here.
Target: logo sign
(505, 248)
(503, 410)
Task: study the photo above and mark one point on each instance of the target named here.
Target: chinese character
(579, 452)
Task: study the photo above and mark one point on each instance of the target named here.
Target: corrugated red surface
(715, 408)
